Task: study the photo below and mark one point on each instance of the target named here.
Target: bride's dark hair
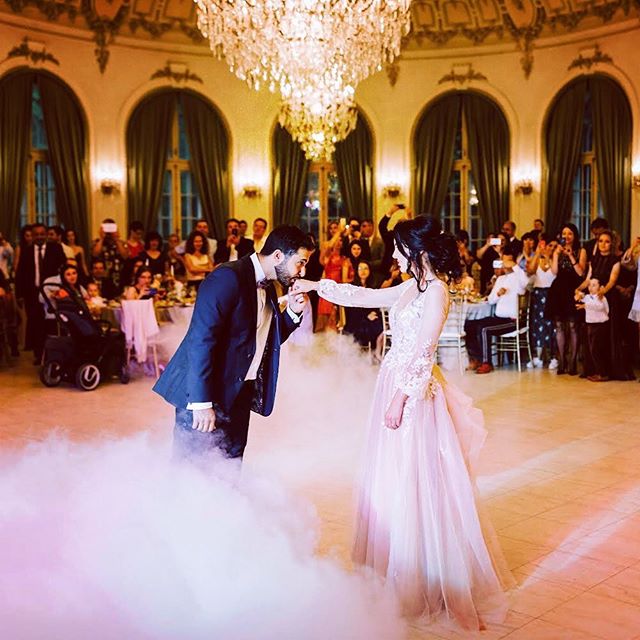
(423, 235)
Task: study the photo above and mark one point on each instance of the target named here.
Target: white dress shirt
(37, 249)
(263, 324)
(596, 310)
(515, 284)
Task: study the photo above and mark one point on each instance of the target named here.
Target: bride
(417, 523)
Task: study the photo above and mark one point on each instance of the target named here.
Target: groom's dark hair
(288, 239)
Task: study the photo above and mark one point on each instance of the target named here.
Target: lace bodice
(416, 320)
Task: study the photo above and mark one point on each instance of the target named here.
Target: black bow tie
(263, 284)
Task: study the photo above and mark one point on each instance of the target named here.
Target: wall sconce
(635, 181)
(391, 191)
(109, 187)
(524, 187)
(251, 191)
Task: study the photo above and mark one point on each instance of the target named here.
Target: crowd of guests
(139, 266)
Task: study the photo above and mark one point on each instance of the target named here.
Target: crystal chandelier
(312, 52)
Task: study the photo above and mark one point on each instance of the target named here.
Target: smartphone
(343, 222)
(109, 227)
(234, 232)
(400, 206)
(498, 264)
(495, 242)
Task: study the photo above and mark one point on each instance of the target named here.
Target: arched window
(169, 191)
(588, 155)
(39, 202)
(180, 205)
(461, 155)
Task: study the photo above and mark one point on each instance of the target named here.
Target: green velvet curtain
(148, 136)
(67, 151)
(289, 177)
(563, 140)
(15, 136)
(209, 147)
(353, 158)
(488, 140)
(612, 131)
(433, 150)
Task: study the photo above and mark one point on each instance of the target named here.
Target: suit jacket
(212, 361)
(54, 258)
(377, 253)
(244, 248)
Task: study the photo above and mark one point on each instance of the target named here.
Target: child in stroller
(84, 350)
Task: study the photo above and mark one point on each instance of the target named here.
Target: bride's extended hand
(304, 286)
(393, 416)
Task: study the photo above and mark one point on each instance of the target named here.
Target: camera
(495, 242)
(498, 264)
(562, 242)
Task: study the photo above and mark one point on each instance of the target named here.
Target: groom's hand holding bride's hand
(303, 286)
(204, 420)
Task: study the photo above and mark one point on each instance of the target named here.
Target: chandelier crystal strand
(312, 52)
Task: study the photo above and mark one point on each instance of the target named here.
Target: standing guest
(110, 248)
(242, 228)
(8, 314)
(153, 255)
(203, 227)
(71, 239)
(538, 225)
(141, 289)
(466, 257)
(176, 260)
(56, 233)
(259, 234)
(509, 230)
(631, 261)
(332, 261)
(356, 253)
(596, 308)
(386, 226)
(542, 330)
(394, 277)
(100, 276)
(569, 265)
(351, 233)
(529, 244)
(365, 325)
(196, 259)
(597, 226)
(6, 257)
(135, 244)
(37, 263)
(25, 240)
(376, 246)
(605, 267)
(487, 254)
(235, 246)
(511, 282)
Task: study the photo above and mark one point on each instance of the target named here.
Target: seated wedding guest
(196, 259)
(596, 308)
(153, 255)
(95, 301)
(356, 253)
(176, 259)
(365, 325)
(542, 329)
(101, 278)
(71, 288)
(71, 240)
(487, 254)
(509, 285)
(259, 234)
(135, 243)
(141, 290)
(376, 246)
(529, 244)
(235, 246)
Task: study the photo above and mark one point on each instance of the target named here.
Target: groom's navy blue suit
(212, 361)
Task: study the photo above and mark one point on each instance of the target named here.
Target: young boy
(596, 309)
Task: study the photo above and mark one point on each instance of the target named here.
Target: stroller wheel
(88, 377)
(125, 376)
(51, 374)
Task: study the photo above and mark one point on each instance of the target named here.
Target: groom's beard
(283, 276)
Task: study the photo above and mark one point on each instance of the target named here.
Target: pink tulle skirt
(418, 523)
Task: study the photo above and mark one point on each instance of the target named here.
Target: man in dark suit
(37, 263)
(227, 364)
(235, 246)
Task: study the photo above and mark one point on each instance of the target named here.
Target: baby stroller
(84, 351)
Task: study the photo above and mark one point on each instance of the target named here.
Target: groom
(227, 364)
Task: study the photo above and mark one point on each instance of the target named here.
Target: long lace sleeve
(415, 379)
(347, 295)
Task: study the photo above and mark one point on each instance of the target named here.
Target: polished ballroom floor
(560, 474)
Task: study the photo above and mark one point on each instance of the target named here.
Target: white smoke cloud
(110, 539)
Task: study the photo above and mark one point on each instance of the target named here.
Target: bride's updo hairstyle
(423, 235)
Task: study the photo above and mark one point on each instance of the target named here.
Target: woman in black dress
(569, 264)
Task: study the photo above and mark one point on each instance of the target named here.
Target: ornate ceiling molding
(33, 51)
(462, 74)
(588, 61)
(176, 72)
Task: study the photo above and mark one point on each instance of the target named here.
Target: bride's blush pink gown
(417, 522)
